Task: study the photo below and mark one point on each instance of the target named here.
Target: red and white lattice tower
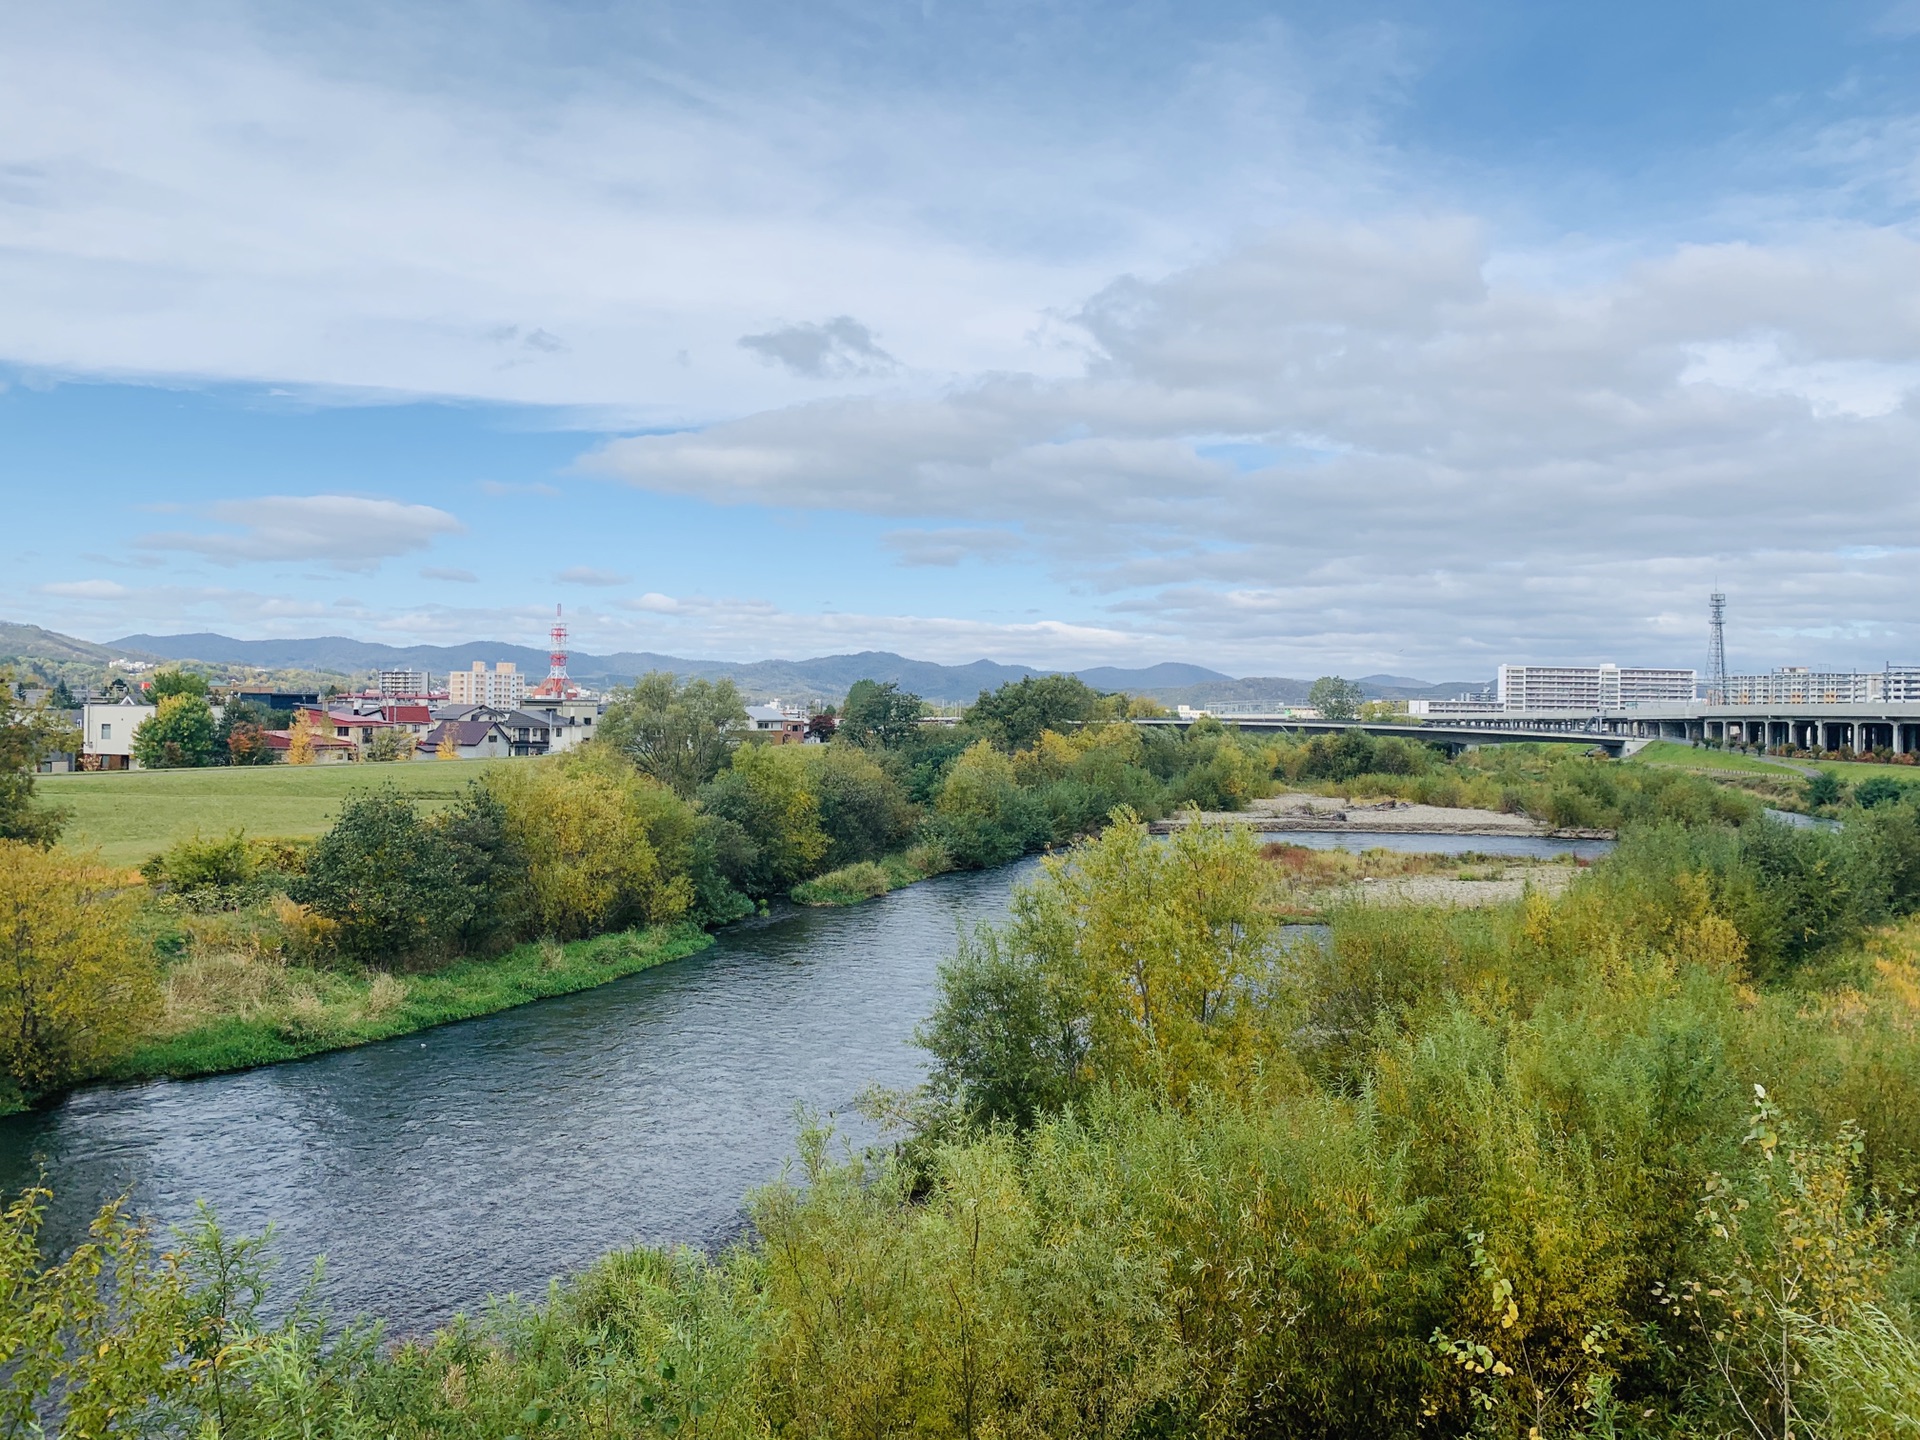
(558, 685)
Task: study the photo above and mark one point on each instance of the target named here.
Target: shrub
(388, 881)
(604, 846)
(981, 816)
(846, 886)
(1879, 790)
(1824, 788)
(765, 792)
(73, 990)
(863, 811)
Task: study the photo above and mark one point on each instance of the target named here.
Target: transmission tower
(1717, 649)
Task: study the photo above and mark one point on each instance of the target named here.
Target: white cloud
(588, 575)
(85, 589)
(444, 572)
(349, 531)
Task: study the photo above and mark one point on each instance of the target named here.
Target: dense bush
(393, 889)
(72, 987)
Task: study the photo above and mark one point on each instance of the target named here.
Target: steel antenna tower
(1717, 649)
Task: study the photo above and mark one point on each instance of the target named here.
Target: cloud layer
(1335, 432)
(346, 531)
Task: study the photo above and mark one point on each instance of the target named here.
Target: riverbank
(1309, 883)
(234, 1010)
(1279, 814)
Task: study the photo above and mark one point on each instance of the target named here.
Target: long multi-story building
(502, 687)
(1590, 688)
(1802, 685)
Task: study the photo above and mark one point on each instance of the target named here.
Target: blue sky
(1282, 338)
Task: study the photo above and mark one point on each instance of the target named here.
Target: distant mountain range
(825, 677)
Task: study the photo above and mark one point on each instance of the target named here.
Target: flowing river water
(488, 1156)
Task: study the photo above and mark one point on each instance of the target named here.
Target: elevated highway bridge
(1873, 725)
(1440, 732)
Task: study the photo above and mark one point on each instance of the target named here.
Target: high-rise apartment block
(1591, 688)
(395, 683)
(502, 686)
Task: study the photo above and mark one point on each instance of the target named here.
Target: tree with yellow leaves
(449, 746)
(300, 741)
(73, 989)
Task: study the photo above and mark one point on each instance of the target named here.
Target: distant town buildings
(502, 687)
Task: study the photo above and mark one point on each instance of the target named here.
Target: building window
(106, 732)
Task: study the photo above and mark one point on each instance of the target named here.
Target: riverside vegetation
(229, 950)
(1636, 1160)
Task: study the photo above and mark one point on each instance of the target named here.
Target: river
(488, 1156)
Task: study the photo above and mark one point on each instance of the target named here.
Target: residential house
(774, 724)
(327, 749)
(106, 734)
(472, 740)
(570, 721)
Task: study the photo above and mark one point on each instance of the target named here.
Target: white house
(106, 734)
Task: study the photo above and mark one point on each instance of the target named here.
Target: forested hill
(824, 677)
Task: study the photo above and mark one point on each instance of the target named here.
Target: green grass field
(1667, 752)
(133, 814)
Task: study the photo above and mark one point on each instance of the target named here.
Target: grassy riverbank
(231, 1010)
(131, 816)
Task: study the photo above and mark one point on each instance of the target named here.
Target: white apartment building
(394, 683)
(1590, 688)
(502, 687)
(1799, 685)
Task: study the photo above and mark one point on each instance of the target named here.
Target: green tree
(881, 714)
(389, 880)
(981, 815)
(604, 845)
(1018, 711)
(176, 682)
(73, 990)
(680, 735)
(28, 733)
(765, 792)
(179, 734)
(1335, 698)
(863, 810)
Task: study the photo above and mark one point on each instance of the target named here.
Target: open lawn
(1666, 752)
(133, 814)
